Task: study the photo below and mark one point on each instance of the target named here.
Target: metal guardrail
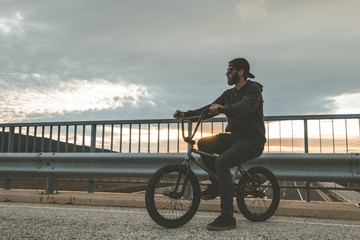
(298, 167)
(285, 134)
(289, 134)
(295, 167)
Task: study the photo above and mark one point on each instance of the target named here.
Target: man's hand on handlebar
(215, 109)
(179, 114)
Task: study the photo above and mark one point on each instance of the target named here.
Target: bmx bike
(173, 193)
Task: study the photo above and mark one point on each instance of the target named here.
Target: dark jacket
(244, 111)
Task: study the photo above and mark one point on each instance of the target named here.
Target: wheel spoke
(259, 200)
(167, 207)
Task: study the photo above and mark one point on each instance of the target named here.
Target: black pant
(233, 150)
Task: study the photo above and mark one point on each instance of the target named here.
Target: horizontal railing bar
(311, 117)
(320, 188)
(102, 181)
(155, 121)
(286, 166)
(115, 122)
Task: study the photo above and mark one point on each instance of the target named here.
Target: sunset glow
(71, 96)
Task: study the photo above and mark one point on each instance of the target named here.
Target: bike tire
(165, 210)
(259, 199)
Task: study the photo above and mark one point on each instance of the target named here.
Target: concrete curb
(332, 210)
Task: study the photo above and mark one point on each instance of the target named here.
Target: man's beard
(235, 78)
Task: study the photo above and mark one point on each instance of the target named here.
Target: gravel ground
(40, 221)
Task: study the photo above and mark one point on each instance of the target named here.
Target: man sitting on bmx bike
(244, 140)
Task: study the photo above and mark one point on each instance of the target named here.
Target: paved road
(40, 221)
(298, 194)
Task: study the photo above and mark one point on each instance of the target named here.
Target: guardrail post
(11, 139)
(91, 185)
(50, 182)
(306, 137)
(7, 183)
(307, 191)
(306, 150)
(2, 140)
(92, 149)
(93, 138)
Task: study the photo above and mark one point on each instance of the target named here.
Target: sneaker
(211, 192)
(223, 222)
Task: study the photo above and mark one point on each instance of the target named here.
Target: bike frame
(191, 159)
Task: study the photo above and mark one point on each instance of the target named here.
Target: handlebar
(189, 138)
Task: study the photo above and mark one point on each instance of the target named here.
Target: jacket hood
(253, 82)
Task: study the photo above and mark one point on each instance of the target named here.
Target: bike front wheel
(259, 198)
(170, 201)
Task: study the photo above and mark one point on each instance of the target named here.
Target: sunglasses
(230, 69)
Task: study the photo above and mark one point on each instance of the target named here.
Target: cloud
(251, 9)
(346, 103)
(64, 97)
(13, 24)
(176, 58)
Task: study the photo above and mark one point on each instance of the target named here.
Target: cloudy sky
(109, 60)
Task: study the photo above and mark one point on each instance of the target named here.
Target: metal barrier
(285, 134)
(299, 167)
(303, 167)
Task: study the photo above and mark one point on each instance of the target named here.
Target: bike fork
(185, 185)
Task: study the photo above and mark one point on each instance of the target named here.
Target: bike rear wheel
(164, 201)
(259, 198)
